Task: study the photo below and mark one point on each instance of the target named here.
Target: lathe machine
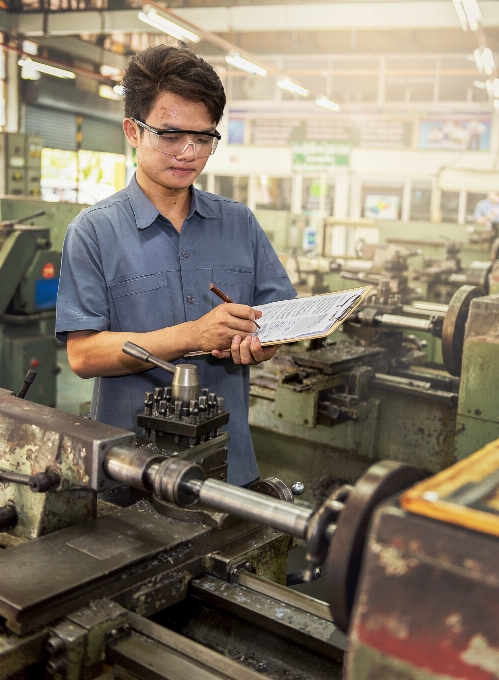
(367, 394)
(186, 582)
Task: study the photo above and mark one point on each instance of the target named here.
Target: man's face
(169, 112)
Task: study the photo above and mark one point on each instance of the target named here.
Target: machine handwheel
(455, 325)
(275, 488)
(344, 556)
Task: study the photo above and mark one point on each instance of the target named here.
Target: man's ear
(131, 132)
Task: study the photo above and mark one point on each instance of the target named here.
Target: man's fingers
(249, 346)
(221, 354)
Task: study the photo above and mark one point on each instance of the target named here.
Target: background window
(420, 203)
(273, 193)
(232, 187)
(317, 195)
(449, 205)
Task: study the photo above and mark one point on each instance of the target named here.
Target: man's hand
(217, 329)
(247, 351)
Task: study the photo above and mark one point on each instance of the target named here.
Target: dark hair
(163, 68)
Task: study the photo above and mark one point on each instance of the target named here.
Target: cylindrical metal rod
(14, 477)
(407, 322)
(280, 515)
(130, 466)
(142, 354)
(426, 307)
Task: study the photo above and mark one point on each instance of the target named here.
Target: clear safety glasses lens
(175, 144)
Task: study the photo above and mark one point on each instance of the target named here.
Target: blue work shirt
(126, 268)
(486, 207)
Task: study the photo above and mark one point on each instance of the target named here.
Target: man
(487, 210)
(137, 266)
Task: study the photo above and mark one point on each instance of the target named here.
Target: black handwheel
(455, 325)
(344, 557)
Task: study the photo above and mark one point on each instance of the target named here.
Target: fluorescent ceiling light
(327, 104)
(468, 13)
(45, 68)
(245, 65)
(461, 14)
(494, 87)
(158, 21)
(484, 60)
(496, 104)
(290, 86)
(487, 60)
(119, 89)
(480, 84)
(29, 47)
(110, 71)
(107, 92)
(477, 56)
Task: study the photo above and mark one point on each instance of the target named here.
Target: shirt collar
(146, 213)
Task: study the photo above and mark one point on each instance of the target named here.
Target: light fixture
(290, 86)
(107, 92)
(110, 71)
(480, 84)
(151, 17)
(493, 87)
(119, 89)
(327, 104)
(29, 47)
(45, 68)
(28, 72)
(245, 65)
(484, 60)
(468, 13)
(496, 104)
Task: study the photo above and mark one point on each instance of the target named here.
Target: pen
(219, 293)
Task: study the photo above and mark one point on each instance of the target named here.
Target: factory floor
(73, 392)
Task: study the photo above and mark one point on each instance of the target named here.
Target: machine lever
(142, 354)
(39, 483)
(28, 381)
(359, 276)
(302, 576)
(8, 224)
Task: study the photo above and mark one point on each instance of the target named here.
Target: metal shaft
(142, 354)
(406, 322)
(182, 482)
(286, 517)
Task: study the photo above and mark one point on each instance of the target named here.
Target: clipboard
(281, 308)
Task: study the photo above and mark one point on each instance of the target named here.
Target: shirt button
(185, 253)
(189, 298)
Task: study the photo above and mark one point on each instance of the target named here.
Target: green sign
(311, 156)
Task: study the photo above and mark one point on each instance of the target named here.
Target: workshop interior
(364, 137)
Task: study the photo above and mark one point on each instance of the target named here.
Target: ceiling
(371, 53)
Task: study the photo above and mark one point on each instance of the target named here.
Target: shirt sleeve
(82, 300)
(271, 280)
(481, 209)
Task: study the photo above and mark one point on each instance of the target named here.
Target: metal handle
(27, 382)
(142, 354)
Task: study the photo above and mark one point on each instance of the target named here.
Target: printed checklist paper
(304, 318)
(310, 317)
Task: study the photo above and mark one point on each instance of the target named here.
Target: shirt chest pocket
(236, 283)
(142, 303)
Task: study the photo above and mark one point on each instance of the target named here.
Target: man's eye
(203, 140)
(170, 138)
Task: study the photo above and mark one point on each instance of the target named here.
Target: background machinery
(367, 393)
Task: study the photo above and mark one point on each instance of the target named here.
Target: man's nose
(186, 152)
